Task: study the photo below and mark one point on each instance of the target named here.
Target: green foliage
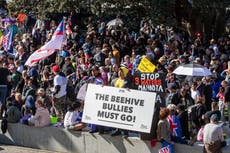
(42, 7)
(160, 11)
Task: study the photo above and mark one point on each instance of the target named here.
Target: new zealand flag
(175, 125)
(166, 148)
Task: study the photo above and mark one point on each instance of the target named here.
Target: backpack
(193, 113)
(194, 116)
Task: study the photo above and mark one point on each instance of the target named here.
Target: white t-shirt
(70, 118)
(212, 133)
(62, 81)
(195, 94)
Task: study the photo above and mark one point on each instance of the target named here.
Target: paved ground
(16, 149)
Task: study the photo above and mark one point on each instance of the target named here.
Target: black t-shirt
(3, 77)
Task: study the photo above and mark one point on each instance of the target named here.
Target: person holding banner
(120, 82)
(96, 79)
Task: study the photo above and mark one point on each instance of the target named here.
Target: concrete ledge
(58, 139)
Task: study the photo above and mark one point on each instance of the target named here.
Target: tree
(206, 16)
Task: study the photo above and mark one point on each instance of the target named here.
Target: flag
(175, 126)
(166, 147)
(7, 40)
(50, 47)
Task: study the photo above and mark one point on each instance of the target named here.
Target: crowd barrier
(61, 140)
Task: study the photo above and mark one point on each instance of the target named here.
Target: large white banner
(119, 108)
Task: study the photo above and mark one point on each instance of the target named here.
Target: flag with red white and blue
(175, 126)
(60, 29)
(49, 48)
(7, 40)
(166, 147)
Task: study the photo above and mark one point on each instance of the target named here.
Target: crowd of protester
(109, 55)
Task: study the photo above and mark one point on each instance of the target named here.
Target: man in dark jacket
(182, 97)
(4, 86)
(208, 93)
(183, 117)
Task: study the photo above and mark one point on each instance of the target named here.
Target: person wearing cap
(215, 110)
(59, 92)
(213, 136)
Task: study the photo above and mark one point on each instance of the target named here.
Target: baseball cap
(55, 68)
(214, 117)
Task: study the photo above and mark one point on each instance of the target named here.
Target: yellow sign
(146, 66)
